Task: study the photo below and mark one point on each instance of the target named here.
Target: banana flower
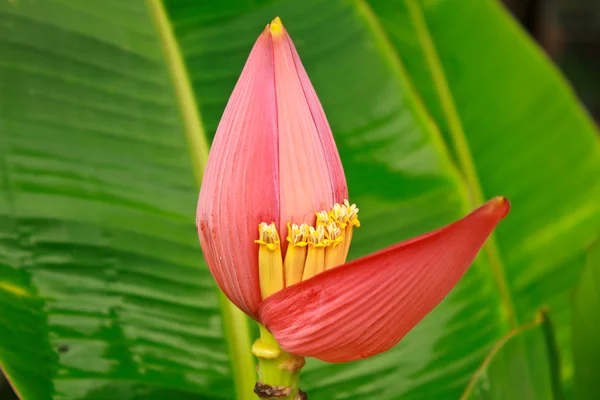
(275, 224)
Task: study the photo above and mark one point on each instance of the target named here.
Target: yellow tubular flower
(315, 260)
(295, 256)
(351, 219)
(334, 253)
(270, 266)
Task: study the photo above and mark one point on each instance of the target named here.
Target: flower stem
(278, 371)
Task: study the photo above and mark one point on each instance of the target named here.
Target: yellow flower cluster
(311, 249)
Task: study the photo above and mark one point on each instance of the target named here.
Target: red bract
(274, 165)
(273, 159)
(366, 306)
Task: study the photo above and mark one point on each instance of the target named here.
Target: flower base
(278, 371)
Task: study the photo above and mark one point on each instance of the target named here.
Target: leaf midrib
(235, 323)
(473, 196)
(461, 146)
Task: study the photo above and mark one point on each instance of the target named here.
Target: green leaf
(103, 291)
(515, 128)
(435, 105)
(519, 366)
(586, 329)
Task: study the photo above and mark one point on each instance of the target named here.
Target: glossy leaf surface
(435, 106)
(102, 285)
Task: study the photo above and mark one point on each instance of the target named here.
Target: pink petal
(332, 156)
(240, 188)
(366, 306)
(306, 148)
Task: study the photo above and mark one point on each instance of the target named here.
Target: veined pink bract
(273, 159)
(274, 166)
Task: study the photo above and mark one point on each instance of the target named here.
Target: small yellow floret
(352, 213)
(267, 235)
(338, 214)
(270, 262)
(315, 259)
(295, 256)
(297, 235)
(334, 253)
(316, 236)
(333, 234)
(323, 218)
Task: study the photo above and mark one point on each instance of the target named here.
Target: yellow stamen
(270, 265)
(322, 218)
(338, 214)
(295, 256)
(311, 250)
(315, 259)
(352, 221)
(352, 212)
(333, 232)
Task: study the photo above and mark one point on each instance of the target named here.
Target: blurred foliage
(436, 105)
(569, 31)
(586, 329)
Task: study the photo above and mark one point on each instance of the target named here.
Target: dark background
(569, 32)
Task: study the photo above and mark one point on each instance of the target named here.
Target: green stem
(277, 369)
(236, 329)
(235, 323)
